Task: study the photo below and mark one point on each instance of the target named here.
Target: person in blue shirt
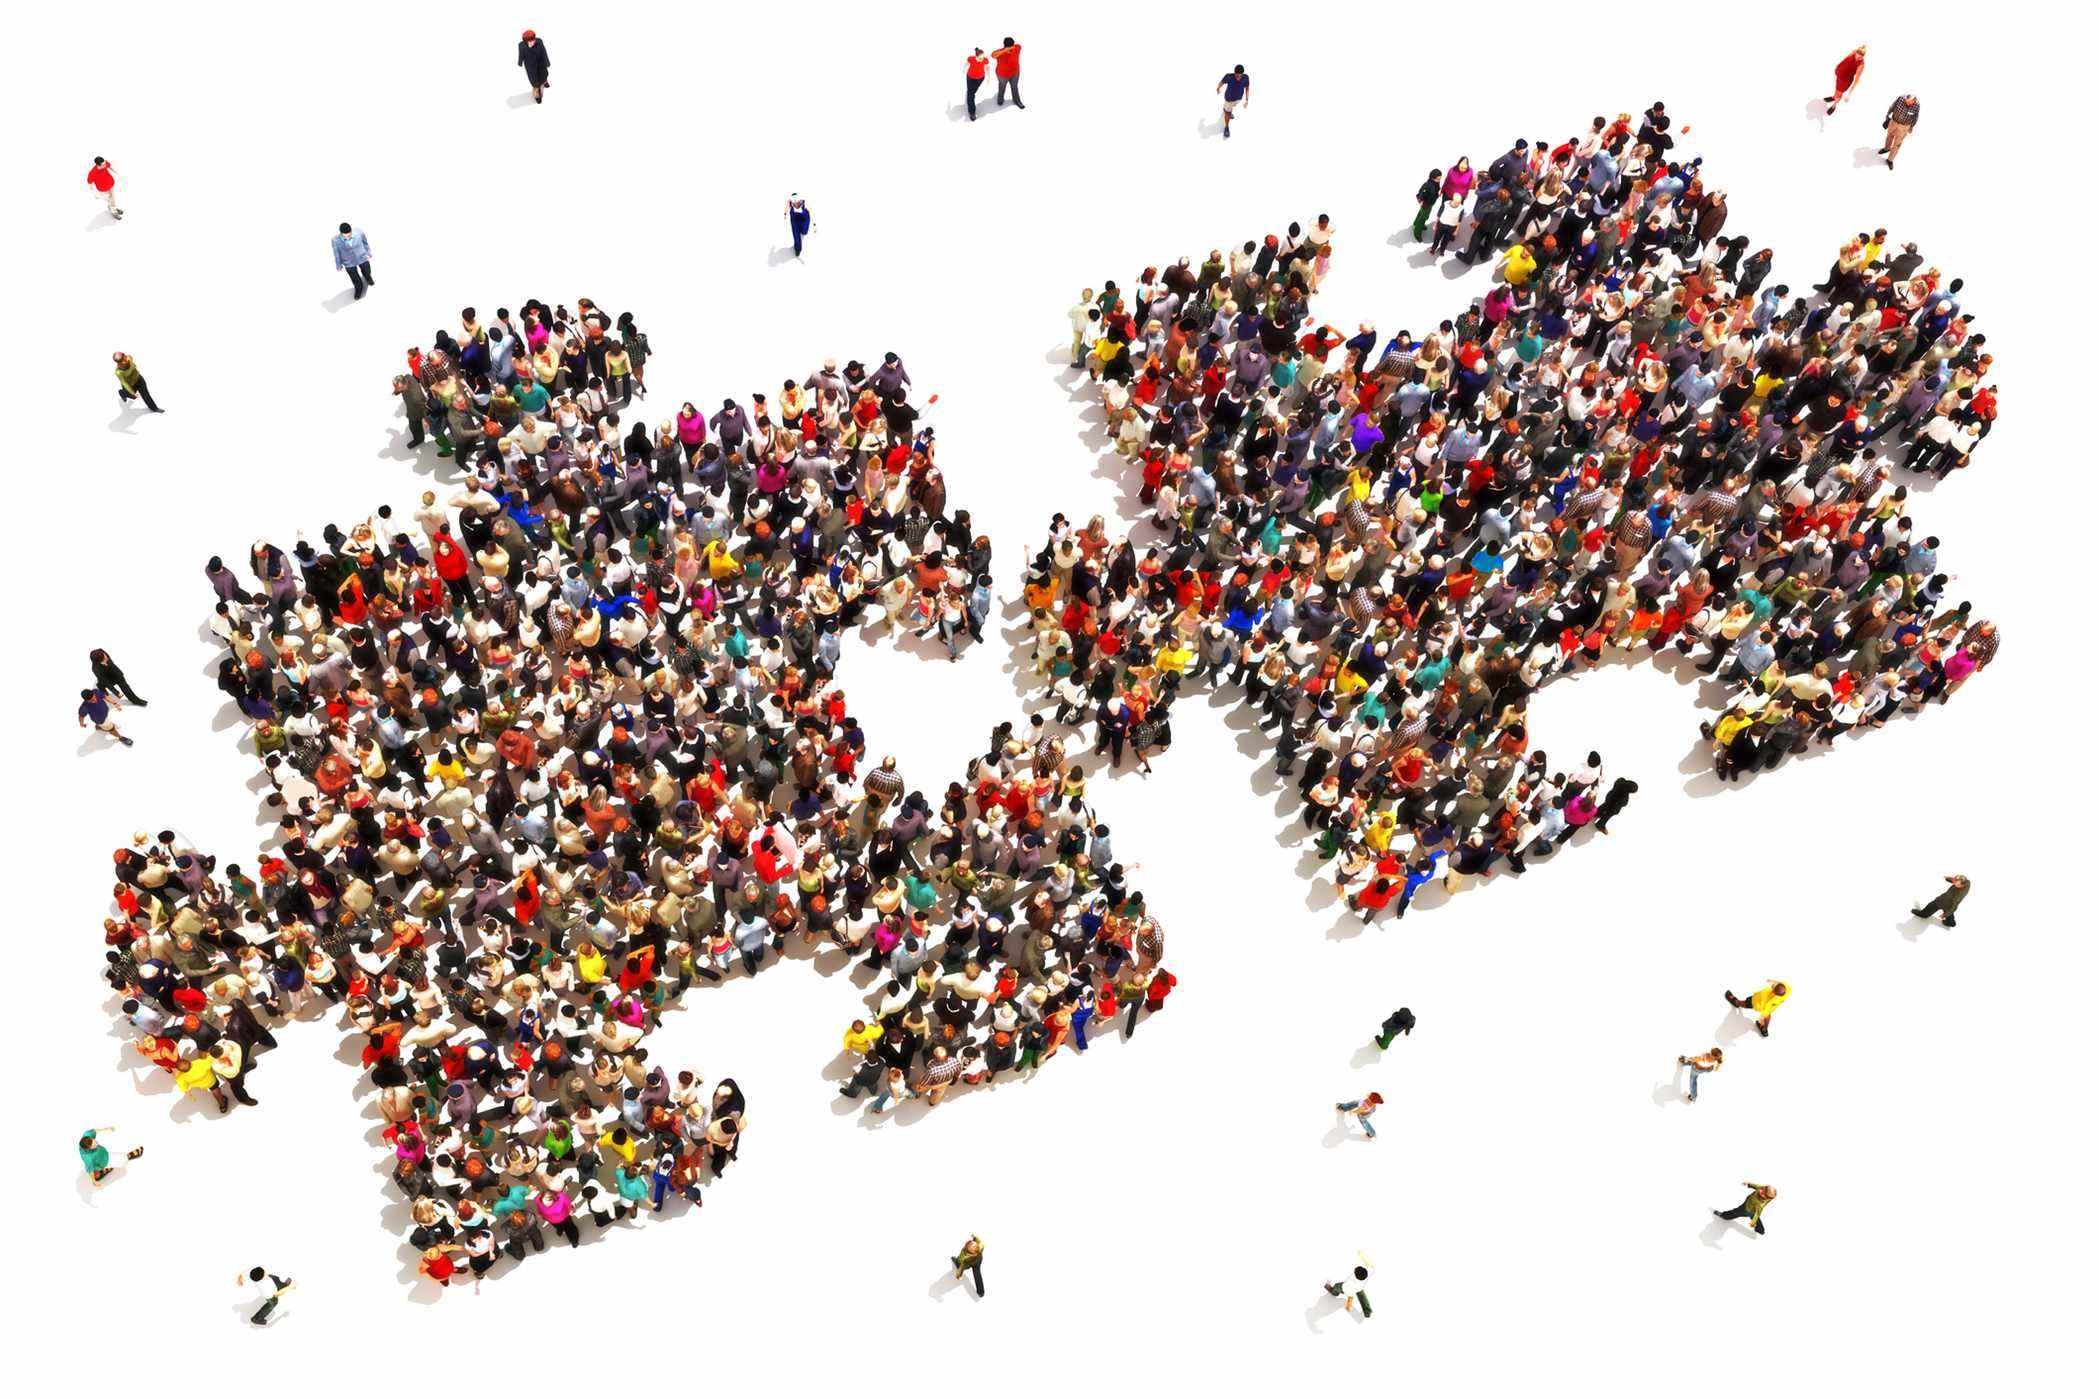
(797, 220)
(1237, 88)
(96, 708)
(353, 254)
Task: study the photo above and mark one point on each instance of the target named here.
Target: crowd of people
(1633, 443)
(547, 752)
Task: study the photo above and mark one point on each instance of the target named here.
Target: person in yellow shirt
(862, 1037)
(1174, 658)
(1763, 1004)
(1752, 1206)
(590, 965)
(446, 768)
(1517, 264)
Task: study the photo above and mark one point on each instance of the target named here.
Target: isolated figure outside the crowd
(109, 676)
(269, 1288)
(102, 178)
(1237, 89)
(353, 254)
(1699, 1064)
(970, 1259)
(1351, 1289)
(1361, 1109)
(94, 1154)
(1006, 61)
(1900, 121)
(1753, 1205)
(1399, 1022)
(131, 382)
(1947, 903)
(97, 708)
(532, 57)
(798, 220)
(1762, 1004)
(1850, 68)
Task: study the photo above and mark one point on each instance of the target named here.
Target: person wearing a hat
(532, 57)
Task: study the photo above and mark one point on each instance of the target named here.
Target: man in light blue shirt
(354, 256)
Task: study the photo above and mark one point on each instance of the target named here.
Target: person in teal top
(633, 1189)
(94, 1157)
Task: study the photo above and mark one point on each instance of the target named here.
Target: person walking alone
(532, 57)
(970, 1259)
(1699, 1064)
(1237, 89)
(94, 1155)
(1399, 1022)
(1753, 1205)
(974, 69)
(109, 676)
(798, 222)
(1762, 1004)
(353, 254)
(1351, 1288)
(269, 1287)
(1900, 121)
(131, 382)
(1361, 1109)
(1850, 68)
(1006, 62)
(102, 178)
(1947, 903)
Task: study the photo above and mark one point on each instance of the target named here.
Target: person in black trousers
(1614, 801)
(970, 1259)
(110, 676)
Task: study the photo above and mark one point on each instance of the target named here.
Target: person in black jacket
(109, 676)
(1399, 1022)
(532, 57)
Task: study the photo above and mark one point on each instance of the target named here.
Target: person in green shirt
(971, 1260)
(1753, 1205)
(131, 382)
(94, 1156)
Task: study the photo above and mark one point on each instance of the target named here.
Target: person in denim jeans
(1700, 1064)
(892, 1087)
(1360, 1110)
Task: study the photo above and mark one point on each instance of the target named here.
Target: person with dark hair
(102, 179)
(974, 70)
(353, 254)
(1900, 121)
(532, 57)
(268, 1288)
(109, 677)
(1352, 1290)
(1614, 801)
(1237, 89)
(798, 221)
(94, 1154)
(1006, 62)
(97, 708)
(1399, 1022)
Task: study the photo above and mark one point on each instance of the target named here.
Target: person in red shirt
(1007, 60)
(1849, 69)
(974, 68)
(1155, 993)
(103, 180)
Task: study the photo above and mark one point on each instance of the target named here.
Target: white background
(1162, 1211)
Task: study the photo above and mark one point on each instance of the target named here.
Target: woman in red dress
(1849, 70)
